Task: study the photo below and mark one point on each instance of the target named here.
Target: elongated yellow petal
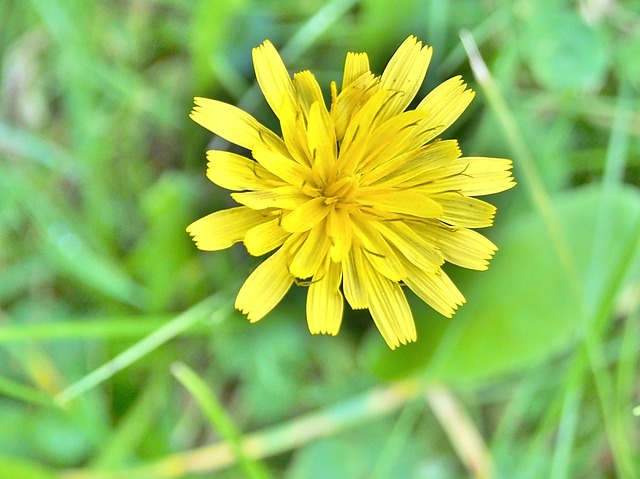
(445, 104)
(294, 132)
(355, 65)
(470, 176)
(265, 287)
(286, 197)
(377, 250)
(394, 139)
(349, 102)
(389, 308)
(420, 251)
(234, 125)
(437, 290)
(355, 289)
(311, 255)
(324, 300)
(322, 141)
(464, 211)
(406, 202)
(283, 167)
(491, 175)
(357, 137)
(273, 78)
(265, 237)
(306, 215)
(414, 167)
(405, 72)
(307, 90)
(235, 172)
(223, 228)
(340, 232)
(460, 246)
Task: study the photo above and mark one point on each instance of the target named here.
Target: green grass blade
(613, 178)
(215, 307)
(310, 31)
(398, 437)
(24, 393)
(567, 428)
(219, 419)
(108, 327)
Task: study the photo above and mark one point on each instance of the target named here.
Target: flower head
(359, 199)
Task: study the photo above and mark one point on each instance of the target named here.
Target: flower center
(341, 191)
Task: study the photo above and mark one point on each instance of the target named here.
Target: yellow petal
(357, 137)
(418, 250)
(471, 177)
(349, 102)
(286, 197)
(354, 288)
(414, 167)
(234, 125)
(265, 237)
(294, 132)
(406, 202)
(460, 246)
(306, 215)
(389, 308)
(405, 72)
(223, 228)
(311, 255)
(377, 250)
(265, 287)
(283, 167)
(435, 289)
(467, 248)
(308, 90)
(355, 65)
(490, 175)
(322, 140)
(393, 138)
(464, 211)
(273, 78)
(445, 104)
(324, 301)
(235, 172)
(339, 230)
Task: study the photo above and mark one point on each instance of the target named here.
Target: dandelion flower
(359, 200)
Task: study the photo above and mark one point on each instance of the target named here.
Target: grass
(120, 353)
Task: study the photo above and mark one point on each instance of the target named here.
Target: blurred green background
(101, 171)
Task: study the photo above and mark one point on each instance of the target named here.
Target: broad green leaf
(563, 52)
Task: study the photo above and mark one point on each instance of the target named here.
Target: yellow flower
(360, 199)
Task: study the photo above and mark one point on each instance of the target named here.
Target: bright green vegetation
(120, 353)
